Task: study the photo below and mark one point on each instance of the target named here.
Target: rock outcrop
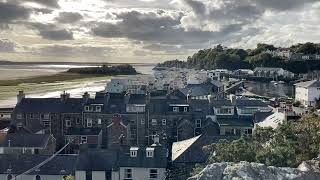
(309, 170)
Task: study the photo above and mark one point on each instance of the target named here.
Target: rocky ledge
(309, 170)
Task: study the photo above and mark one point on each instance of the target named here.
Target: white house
(308, 92)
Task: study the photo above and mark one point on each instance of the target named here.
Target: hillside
(227, 58)
(125, 69)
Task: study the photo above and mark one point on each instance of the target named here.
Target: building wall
(98, 175)
(80, 175)
(301, 95)
(142, 173)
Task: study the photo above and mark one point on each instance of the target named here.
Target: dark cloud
(7, 46)
(52, 32)
(69, 17)
(160, 28)
(9, 13)
(282, 4)
(49, 3)
(84, 51)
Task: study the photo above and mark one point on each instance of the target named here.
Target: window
(153, 174)
(153, 122)
(175, 109)
(98, 108)
(78, 121)
(198, 123)
(86, 108)
(68, 123)
(133, 153)
(38, 177)
(9, 177)
(185, 109)
(248, 131)
(149, 153)
(99, 121)
(225, 111)
(83, 140)
(19, 116)
(32, 115)
(127, 174)
(89, 122)
(164, 122)
(46, 116)
(142, 121)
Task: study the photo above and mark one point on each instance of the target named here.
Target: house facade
(308, 92)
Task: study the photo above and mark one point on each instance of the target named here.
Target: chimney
(156, 139)
(85, 97)
(233, 99)
(189, 96)
(9, 143)
(20, 96)
(64, 96)
(210, 98)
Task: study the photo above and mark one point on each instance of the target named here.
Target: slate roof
(53, 105)
(307, 84)
(137, 99)
(83, 131)
(197, 89)
(26, 140)
(59, 165)
(159, 160)
(219, 103)
(250, 103)
(239, 121)
(115, 103)
(267, 69)
(98, 160)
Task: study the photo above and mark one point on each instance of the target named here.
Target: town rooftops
(137, 99)
(199, 89)
(17, 164)
(219, 103)
(18, 140)
(307, 84)
(53, 105)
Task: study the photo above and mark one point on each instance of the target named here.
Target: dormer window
(98, 108)
(198, 123)
(175, 109)
(87, 108)
(68, 123)
(149, 152)
(89, 122)
(185, 109)
(134, 151)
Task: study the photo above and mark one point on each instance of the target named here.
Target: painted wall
(142, 173)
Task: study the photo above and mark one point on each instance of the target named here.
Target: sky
(148, 31)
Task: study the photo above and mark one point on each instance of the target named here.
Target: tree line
(124, 69)
(221, 57)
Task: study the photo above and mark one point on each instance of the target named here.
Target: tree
(288, 145)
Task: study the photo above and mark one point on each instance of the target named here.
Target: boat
(281, 82)
(275, 83)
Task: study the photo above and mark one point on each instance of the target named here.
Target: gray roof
(53, 105)
(239, 121)
(267, 69)
(260, 116)
(26, 140)
(219, 103)
(306, 84)
(17, 164)
(137, 99)
(200, 89)
(83, 131)
(250, 103)
(159, 160)
(98, 160)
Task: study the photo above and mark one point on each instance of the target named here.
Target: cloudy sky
(148, 30)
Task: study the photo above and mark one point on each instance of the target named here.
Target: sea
(13, 71)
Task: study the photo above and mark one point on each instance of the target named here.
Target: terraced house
(115, 120)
